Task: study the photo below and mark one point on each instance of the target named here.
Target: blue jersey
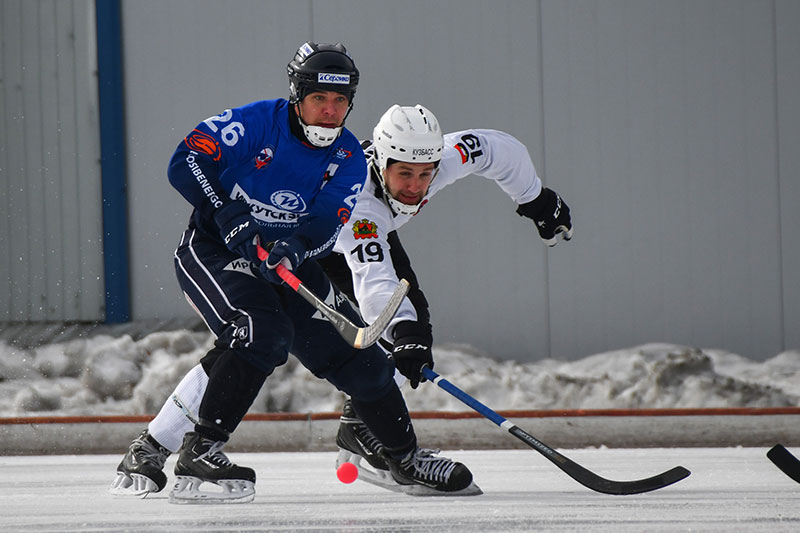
(250, 153)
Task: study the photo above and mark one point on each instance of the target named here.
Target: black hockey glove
(288, 252)
(238, 229)
(412, 350)
(550, 214)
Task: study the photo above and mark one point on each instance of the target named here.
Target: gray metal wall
(50, 223)
(671, 128)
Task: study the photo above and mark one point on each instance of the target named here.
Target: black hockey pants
(258, 323)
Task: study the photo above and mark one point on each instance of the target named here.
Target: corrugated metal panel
(185, 61)
(787, 17)
(475, 65)
(660, 122)
(50, 170)
(656, 120)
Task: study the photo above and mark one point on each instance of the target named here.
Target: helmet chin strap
(319, 136)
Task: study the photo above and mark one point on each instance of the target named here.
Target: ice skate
(422, 473)
(202, 461)
(357, 442)
(141, 470)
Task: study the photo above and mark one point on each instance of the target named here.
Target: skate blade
(132, 485)
(187, 491)
(367, 473)
(422, 490)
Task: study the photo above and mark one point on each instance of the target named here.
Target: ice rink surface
(730, 489)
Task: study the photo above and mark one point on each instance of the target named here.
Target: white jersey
(365, 241)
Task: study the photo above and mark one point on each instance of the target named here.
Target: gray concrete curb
(314, 433)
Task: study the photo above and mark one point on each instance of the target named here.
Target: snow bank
(107, 374)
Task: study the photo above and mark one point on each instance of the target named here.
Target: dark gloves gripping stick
(412, 349)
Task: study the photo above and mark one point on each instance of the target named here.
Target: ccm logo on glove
(410, 347)
(236, 230)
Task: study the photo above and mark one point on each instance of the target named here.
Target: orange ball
(347, 472)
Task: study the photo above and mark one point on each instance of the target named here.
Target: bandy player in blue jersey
(285, 175)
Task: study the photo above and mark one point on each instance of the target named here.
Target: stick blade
(783, 459)
(624, 488)
(597, 483)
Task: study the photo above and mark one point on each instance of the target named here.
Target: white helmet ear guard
(408, 134)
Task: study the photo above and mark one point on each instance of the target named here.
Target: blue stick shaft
(463, 396)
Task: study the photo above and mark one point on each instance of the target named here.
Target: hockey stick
(784, 460)
(357, 337)
(574, 470)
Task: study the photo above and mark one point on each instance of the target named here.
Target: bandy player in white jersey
(409, 161)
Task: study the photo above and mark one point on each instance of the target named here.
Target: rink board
(467, 431)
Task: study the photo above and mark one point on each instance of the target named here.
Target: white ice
(730, 490)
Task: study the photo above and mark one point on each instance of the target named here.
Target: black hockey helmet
(322, 67)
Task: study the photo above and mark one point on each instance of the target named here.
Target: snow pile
(107, 374)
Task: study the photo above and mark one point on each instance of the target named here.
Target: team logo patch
(264, 157)
(203, 143)
(365, 229)
(241, 333)
(341, 153)
(288, 201)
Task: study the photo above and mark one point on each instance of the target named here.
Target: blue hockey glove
(288, 252)
(550, 214)
(238, 229)
(412, 349)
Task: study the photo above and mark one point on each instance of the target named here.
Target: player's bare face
(326, 109)
(408, 182)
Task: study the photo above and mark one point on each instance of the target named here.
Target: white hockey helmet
(408, 134)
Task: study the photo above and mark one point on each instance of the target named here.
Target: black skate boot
(201, 460)
(421, 473)
(141, 470)
(357, 442)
